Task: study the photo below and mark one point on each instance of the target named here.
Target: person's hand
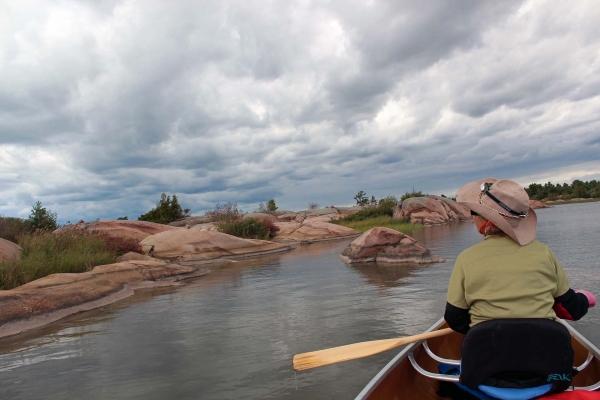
(591, 298)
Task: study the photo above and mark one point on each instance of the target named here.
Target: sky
(104, 105)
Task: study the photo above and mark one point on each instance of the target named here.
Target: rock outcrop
(312, 230)
(194, 245)
(56, 296)
(430, 210)
(137, 230)
(258, 215)
(190, 221)
(389, 246)
(535, 204)
(9, 251)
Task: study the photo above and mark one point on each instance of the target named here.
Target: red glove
(561, 313)
(591, 298)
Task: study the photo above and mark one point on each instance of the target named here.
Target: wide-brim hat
(504, 203)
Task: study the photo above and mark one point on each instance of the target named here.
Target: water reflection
(386, 275)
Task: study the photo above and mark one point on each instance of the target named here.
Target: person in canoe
(506, 293)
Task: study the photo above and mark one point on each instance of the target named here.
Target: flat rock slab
(388, 246)
(193, 245)
(9, 251)
(312, 229)
(137, 230)
(55, 296)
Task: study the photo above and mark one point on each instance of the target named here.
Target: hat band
(515, 214)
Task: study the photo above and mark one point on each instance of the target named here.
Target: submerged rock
(9, 251)
(430, 210)
(389, 246)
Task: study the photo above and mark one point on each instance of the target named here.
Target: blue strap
(515, 394)
(485, 392)
(455, 370)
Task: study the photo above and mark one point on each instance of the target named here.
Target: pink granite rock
(430, 210)
(9, 251)
(137, 230)
(188, 246)
(56, 296)
(312, 229)
(389, 246)
(535, 204)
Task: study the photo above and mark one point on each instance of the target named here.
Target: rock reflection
(386, 275)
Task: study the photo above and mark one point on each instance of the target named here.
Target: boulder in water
(389, 246)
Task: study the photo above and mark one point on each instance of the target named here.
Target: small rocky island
(388, 246)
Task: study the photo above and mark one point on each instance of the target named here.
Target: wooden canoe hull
(398, 380)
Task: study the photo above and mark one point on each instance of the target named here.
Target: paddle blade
(334, 355)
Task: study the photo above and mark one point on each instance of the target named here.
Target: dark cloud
(104, 105)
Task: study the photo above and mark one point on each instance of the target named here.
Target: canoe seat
(517, 353)
(524, 339)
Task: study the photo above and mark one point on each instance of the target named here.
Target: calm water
(232, 334)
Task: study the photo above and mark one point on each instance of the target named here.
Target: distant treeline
(550, 191)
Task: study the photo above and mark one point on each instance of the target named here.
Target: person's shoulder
(537, 245)
(471, 252)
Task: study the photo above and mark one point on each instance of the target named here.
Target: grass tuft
(382, 221)
(44, 254)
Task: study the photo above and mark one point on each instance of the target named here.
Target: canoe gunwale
(381, 375)
(581, 339)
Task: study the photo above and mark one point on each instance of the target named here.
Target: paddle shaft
(357, 350)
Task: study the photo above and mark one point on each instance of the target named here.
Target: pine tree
(41, 218)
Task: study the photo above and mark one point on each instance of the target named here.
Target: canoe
(413, 373)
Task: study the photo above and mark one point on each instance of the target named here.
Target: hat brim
(521, 230)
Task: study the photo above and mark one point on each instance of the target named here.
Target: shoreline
(561, 202)
(17, 326)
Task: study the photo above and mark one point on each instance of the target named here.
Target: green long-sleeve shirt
(498, 278)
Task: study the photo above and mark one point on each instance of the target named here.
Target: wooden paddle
(357, 350)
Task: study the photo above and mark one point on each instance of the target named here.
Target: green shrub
(361, 198)
(387, 204)
(271, 205)
(167, 210)
(412, 194)
(11, 228)
(382, 208)
(361, 215)
(267, 208)
(224, 213)
(250, 228)
(42, 219)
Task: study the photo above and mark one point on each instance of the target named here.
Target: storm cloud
(104, 105)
